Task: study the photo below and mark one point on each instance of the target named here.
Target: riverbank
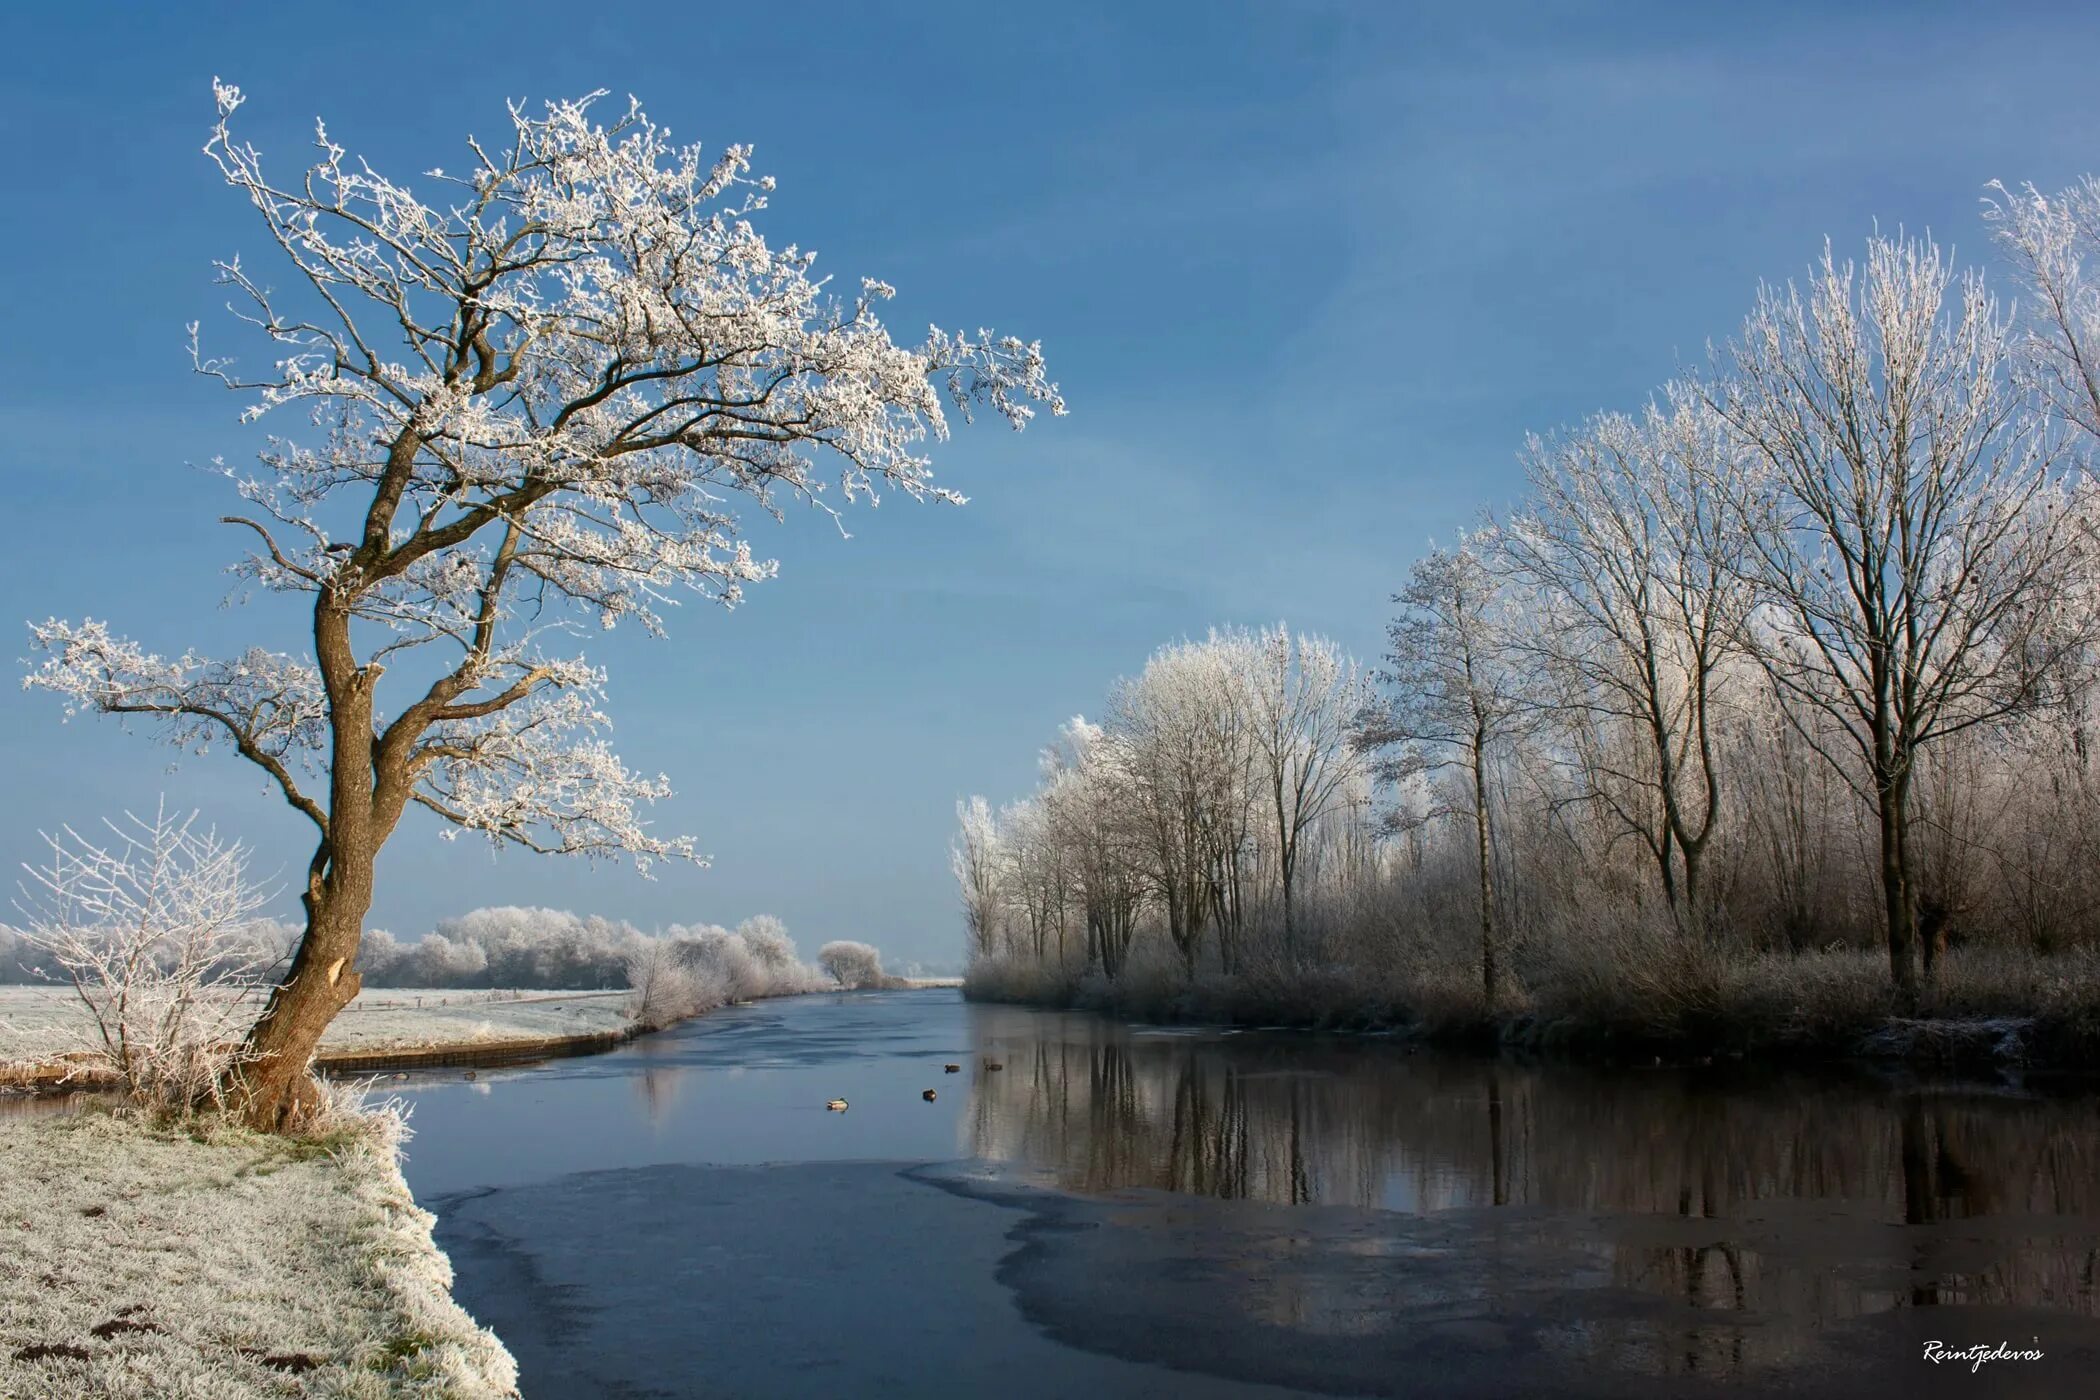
(143, 1261)
(390, 1029)
(393, 1030)
(1985, 1013)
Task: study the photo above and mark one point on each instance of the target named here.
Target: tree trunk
(1895, 887)
(1290, 918)
(1693, 917)
(1498, 1164)
(1488, 979)
(1934, 919)
(1180, 925)
(273, 1088)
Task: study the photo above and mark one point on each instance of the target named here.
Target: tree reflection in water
(1744, 1199)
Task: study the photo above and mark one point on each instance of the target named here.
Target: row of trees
(515, 947)
(1224, 781)
(1804, 652)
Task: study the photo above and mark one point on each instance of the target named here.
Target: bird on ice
(836, 1105)
(927, 1095)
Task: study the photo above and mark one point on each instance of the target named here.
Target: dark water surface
(1124, 1211)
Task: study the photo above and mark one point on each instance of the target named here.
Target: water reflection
(1756, 1209)
(657, 1086)
(23, 1105)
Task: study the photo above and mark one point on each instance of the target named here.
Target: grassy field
(143, 1263)
(40, 1023)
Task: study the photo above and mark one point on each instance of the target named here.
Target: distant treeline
(511, 946)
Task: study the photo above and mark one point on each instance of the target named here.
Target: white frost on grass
(43, 1023)
(391, 1017)
(142, 1263)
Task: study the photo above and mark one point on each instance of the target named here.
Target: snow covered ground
(148, 1263)
(39, 1023)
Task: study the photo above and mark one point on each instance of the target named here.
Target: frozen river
(1122, 1211)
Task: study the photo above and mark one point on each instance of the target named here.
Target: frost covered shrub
(690, 970)
(25, 962)
(154, 930)
(518, 947)
(749, 963)
(666, 989)
(722, 958)
(767, 940)
(506, 946)
(850, 964)
(1632, 972)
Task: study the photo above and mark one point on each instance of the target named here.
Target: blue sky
(1307, 273)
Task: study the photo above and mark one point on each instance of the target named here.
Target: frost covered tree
(851, 964)
(1306, 701)
(976, 860)
(1909, 531)
(767, 938)
(534, 387)
(1037, 885)
(2052, 240)
(1452, 696)
(1629, 551)
(1087, 794)
(1174, 725)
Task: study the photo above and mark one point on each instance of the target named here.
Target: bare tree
(1306, 698)
(1037, 883)
(1907, 530)
(1087, 792)
(976, 860)
(2050, 240)
(1630, 552)
(1171, 724)
(1790, 798)
(1451, 697)
(153, 929)
(533, 397)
